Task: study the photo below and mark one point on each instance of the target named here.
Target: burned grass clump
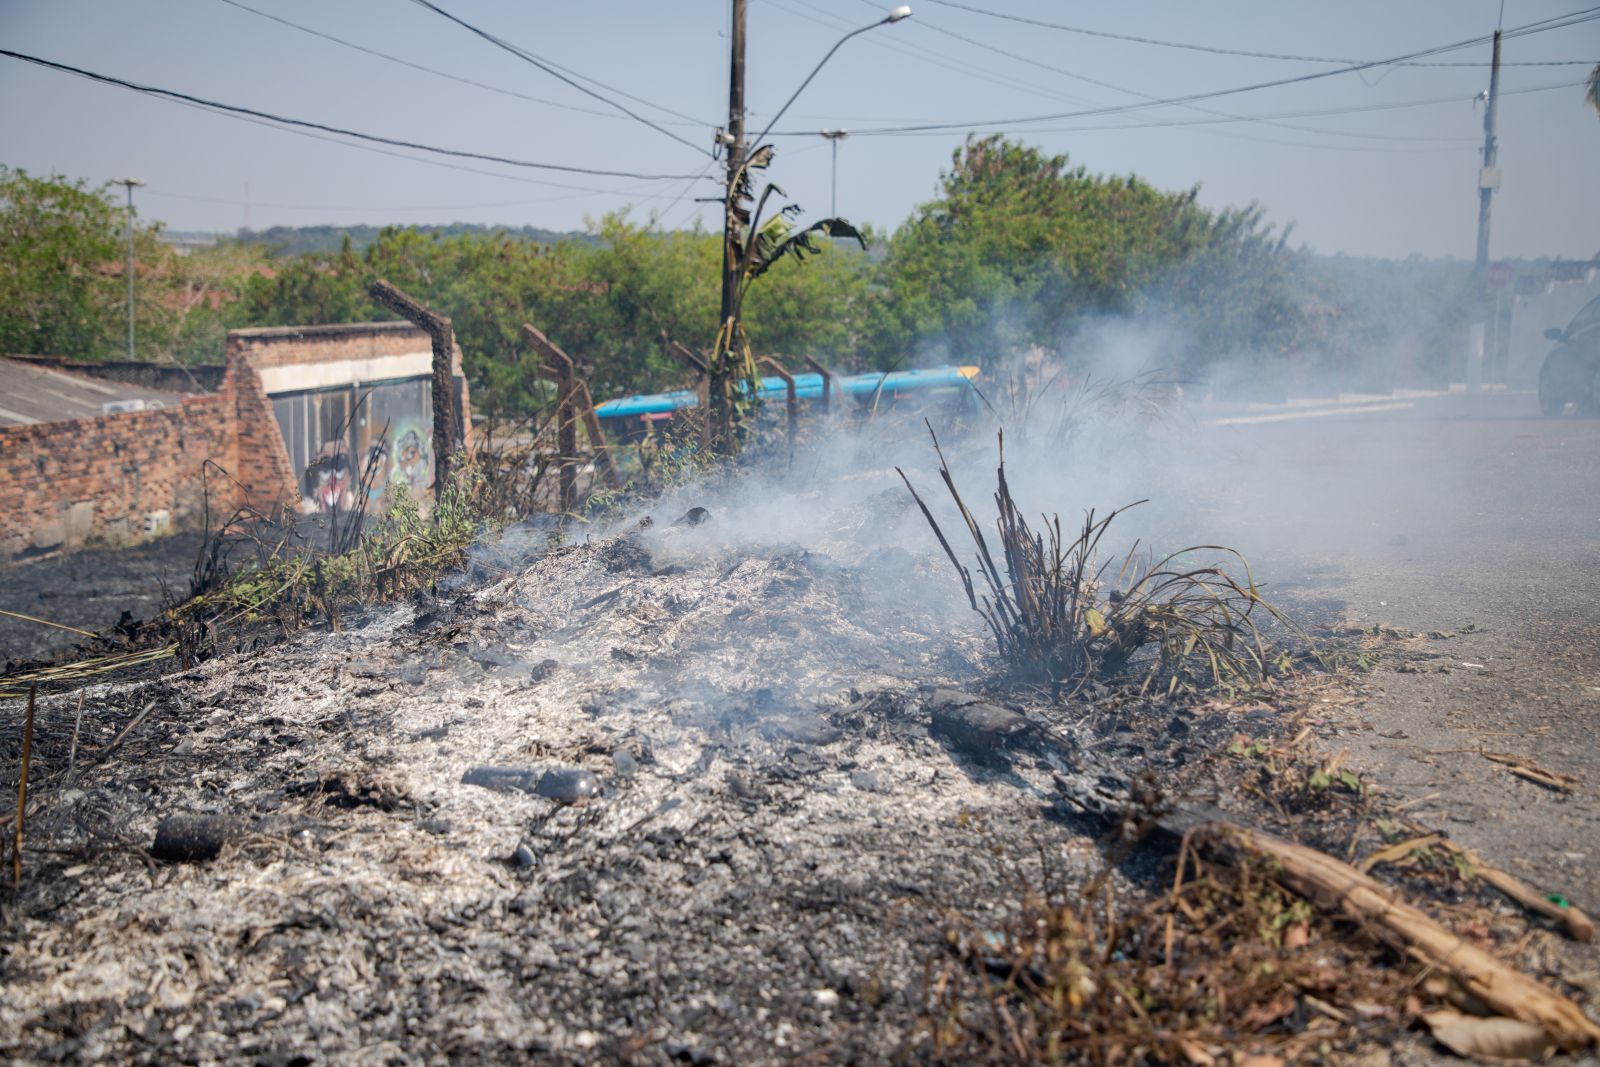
(1226, 961)
(1059, 614)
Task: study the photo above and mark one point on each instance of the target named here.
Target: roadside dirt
(1471, 539)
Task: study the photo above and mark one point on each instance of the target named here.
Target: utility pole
(1488, 182)
(129, 183)
(732, 235)
(835, 136)
(1489, 176)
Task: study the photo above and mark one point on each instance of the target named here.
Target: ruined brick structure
(66, 481)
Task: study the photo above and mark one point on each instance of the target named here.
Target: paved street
(1453, 514)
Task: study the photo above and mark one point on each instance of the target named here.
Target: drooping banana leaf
(778, 239)
(744, 184)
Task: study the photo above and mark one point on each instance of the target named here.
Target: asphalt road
(1457, 514)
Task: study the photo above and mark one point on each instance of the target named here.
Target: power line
(232, 202)
(555, 71)
(924, 24)
(1543, 25)
(170, 94)
(1244, 52)
(1220, 119)
(441, 73)
(931, 56)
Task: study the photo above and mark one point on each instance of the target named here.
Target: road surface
(1463, 516)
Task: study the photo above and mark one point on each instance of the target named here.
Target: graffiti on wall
(350, 442)
(413, 466)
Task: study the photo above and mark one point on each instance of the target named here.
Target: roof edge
(338, 329)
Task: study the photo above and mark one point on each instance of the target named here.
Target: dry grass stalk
(22, 792)
(1056, 612)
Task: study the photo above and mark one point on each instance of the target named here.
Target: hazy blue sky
(1388, 182)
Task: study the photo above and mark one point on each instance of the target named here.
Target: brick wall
(124, 477)
(113, 477)
(262, 464)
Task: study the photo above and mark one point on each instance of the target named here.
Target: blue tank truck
(627, 417)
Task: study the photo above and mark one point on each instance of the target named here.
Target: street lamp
(729, 331)
(835, 136)
(899, 14)
(129, 183)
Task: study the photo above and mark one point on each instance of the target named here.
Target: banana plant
(753, 248)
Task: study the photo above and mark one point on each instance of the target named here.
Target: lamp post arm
(822, 63)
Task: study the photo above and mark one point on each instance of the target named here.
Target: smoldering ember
(1075, 626)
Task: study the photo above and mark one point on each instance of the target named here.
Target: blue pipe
(806, 387)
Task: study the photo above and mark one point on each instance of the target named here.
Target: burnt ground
(787, 816)
(90, 590)
(779, 828)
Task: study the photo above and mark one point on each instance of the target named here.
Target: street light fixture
(130, 183)
(899, 14)
(835, 136)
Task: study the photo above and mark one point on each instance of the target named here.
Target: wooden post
(792, 402)
(827, 382)
(558, 368)
(443, 337)
(702, 388)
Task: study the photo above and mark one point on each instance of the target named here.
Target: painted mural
(353, 440)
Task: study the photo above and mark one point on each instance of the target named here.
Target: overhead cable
(924, 24)
(215, 105)
(1559, 22)
(555, 71)
(442, 73)
(1243, 52)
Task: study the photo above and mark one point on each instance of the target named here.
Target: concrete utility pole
(1488, 182)
(732, 236)
(835, 136)
(130, 183)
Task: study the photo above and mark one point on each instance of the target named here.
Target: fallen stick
(116, 742)
(77, 724)
(1578, 925)
(1333, 884)
(1532, 772)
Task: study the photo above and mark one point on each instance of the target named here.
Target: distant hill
(294, 240)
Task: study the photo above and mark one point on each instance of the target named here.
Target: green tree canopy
(60, 247)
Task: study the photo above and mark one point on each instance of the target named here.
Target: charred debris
(714, 774)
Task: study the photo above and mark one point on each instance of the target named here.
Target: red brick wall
(262, 464)
(103, 478)
(109, 477)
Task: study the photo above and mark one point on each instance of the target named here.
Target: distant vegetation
(1019, 251)
(281, 241)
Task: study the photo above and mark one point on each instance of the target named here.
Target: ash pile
(683, 793)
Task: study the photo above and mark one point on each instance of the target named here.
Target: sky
(1381, 161)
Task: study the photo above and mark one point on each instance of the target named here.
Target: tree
(1021, 249)
(60, 258)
